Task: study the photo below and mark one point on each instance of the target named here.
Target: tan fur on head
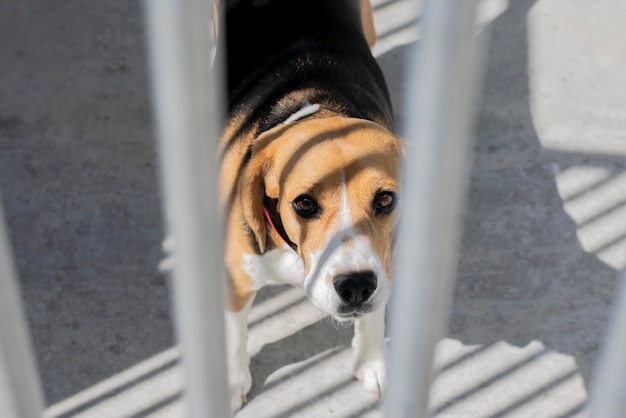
(315, 156)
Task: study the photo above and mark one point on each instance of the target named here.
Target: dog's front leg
(239, 377)
(370, 351)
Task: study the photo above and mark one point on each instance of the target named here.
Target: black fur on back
(284, 54)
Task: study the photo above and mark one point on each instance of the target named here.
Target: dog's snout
(357, 287)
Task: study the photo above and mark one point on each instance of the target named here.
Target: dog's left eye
(384, 202)
(305, 206)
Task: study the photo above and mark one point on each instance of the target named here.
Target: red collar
(278, 227)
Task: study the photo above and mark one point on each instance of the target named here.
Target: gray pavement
(544, 235)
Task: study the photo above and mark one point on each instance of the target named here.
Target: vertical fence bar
(608, 393)
(187, 109)
(442, 91)
(20, 392)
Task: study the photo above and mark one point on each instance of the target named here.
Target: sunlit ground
(471, 378)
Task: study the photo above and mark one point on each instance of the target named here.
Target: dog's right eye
(305, 206)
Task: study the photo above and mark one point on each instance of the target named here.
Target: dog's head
(332, 184)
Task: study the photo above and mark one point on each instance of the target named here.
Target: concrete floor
(544, 235)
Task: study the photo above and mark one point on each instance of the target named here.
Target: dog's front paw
(240, 380)
(372, 373)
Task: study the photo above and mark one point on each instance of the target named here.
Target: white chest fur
(281, 265)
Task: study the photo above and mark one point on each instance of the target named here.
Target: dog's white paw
(240, 380)
(372, 373)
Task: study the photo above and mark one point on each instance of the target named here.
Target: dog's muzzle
(354, 290)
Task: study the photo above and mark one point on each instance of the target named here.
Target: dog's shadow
(300, 334)
(301, 361)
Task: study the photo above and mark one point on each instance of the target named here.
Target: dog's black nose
(357, 287)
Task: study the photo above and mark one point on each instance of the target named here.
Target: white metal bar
(187, 108)
(608, 393)
(20, 392)
(442, 92)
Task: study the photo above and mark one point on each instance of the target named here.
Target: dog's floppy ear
(257, 178)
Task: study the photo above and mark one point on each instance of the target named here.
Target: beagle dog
(309, 171)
